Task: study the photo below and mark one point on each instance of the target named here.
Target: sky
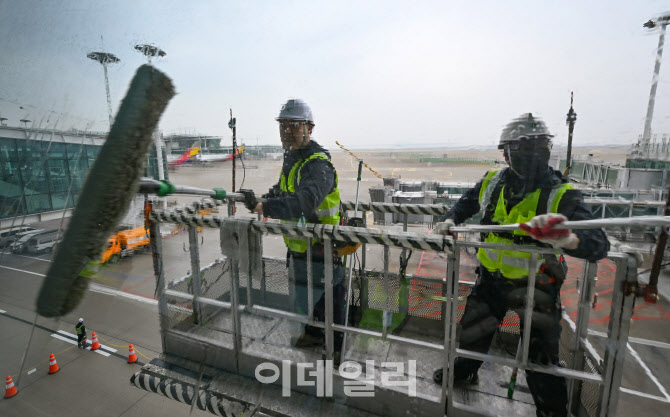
(377, 74)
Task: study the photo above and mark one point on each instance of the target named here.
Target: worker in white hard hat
(307, 192)
(535, 195)
(81, 333)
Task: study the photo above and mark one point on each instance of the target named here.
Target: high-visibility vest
(79, 328)
(510, 263)
(328, 212)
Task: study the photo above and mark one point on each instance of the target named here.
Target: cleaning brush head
(110, 186)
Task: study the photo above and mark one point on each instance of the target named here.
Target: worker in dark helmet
(533, 194)
(307, 192)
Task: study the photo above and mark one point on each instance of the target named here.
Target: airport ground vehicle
(43, 242)
(125, 243)
(7, 236)
(21, 239)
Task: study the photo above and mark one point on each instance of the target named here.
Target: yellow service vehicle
(125, 243)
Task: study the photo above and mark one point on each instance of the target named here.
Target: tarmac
(120, 307)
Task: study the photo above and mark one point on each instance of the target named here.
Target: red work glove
(543, 228)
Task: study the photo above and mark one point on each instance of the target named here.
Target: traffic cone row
(53, 366)
(10, 389)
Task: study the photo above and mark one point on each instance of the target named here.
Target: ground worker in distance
(307, 192)
(528, 192)
(81, 333)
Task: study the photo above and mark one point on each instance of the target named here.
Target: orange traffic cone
(132, 357)
(10, 389)
(95, 344)
(53, 366)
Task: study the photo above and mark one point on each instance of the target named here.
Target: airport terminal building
(43, 171)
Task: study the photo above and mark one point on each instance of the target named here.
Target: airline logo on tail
(186, 156)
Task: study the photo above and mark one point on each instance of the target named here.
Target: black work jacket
(317, 181)
(593, 244)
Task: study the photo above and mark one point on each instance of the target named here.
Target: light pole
(105, 58)
(651, 291)
(661, 22)
(150, 51)
(572, 118)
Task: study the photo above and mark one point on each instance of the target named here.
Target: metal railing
(621, 309)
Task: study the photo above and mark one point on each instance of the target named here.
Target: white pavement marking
(637, 340)
(111, 291)
(63, 338)
(648, 371)
(645, 395)
(102, 292)
(99, 289)
(32, 370)
(23, 270)
(101, 345)
(2, 311)
(644, 366)
(32, 257)
(74, 342)
(587, 344)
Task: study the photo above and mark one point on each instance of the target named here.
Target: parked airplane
(217, 157)
(193, 155)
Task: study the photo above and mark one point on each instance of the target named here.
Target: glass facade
(37, 176)
(41, 175)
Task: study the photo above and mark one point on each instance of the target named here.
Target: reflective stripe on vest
(488, 185)
(328, 212)
(510, 263)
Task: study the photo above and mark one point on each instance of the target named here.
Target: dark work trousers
(81, 339)
(486, 307)
(319, 294)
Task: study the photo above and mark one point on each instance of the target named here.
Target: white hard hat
(81, 320)
(525, 126)
(296, 109)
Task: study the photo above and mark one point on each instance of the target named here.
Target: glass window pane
(8, 150)
(29, 151)
(34, 178)
(12, 205)
(75, 151)
(92, 153)
(58, 200)
(38, 202)
(55, 150)
(58, 175)
(78, 170)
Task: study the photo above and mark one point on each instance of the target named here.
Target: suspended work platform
(229, 332)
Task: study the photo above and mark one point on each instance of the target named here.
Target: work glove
(250, 200)
(444, 228)
(543, 228)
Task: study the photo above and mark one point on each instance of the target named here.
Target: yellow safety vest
(510, 263)
(328, 212)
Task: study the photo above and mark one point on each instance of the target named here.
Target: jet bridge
(228, 331)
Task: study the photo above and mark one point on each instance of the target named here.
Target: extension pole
(351, 257)
(512, 381)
